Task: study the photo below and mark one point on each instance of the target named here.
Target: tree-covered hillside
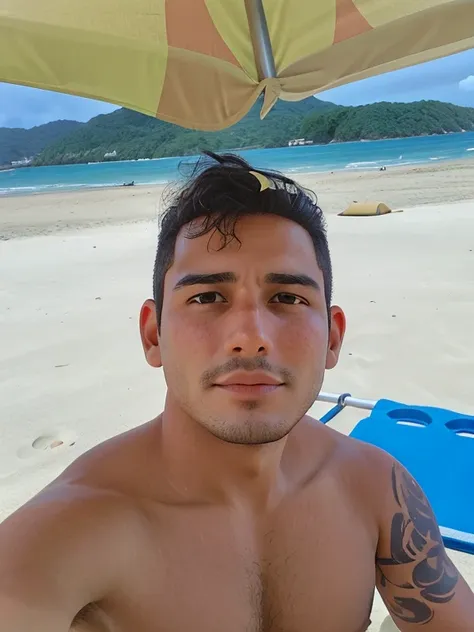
(387, 120)
(17, 144)
(127, 135)
(132, 135)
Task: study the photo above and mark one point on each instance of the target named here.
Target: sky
(449, 79)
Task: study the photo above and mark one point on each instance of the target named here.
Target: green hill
(127, 135)
(17, 144)
(387, 120)
(132, 135)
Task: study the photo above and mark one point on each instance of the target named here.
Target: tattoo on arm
(418, 572)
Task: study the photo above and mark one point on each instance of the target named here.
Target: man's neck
(201, 466)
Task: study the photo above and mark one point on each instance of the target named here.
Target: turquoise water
(335, 157)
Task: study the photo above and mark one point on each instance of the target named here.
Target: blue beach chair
(437, 448)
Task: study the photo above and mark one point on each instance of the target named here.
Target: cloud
(467, 84)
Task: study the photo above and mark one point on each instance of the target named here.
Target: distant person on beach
(232, 510)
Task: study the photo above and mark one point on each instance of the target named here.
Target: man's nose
(249, 333)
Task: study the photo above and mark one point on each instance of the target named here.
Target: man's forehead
(268, 236)
(262, 247)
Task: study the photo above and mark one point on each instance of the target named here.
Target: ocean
(311, 158)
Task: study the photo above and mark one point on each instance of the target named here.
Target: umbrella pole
(260, 36)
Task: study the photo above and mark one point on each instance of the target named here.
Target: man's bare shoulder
(118, 465)
(82, 520)
(341, 441)
(367, 466)
(49, 547)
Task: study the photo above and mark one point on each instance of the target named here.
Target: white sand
(399, 187)
(71, 366)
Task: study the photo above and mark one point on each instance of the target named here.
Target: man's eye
(207, 298)
(288, 299)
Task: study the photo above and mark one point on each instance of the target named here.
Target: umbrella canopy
(203, 63)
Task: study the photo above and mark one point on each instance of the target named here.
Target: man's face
(244, 338)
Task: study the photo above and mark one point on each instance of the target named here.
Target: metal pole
(347, 400)
(260, 36)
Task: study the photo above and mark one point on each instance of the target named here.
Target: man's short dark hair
(221, 190)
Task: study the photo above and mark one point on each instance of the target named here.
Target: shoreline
(297, 174)
(402, 187)
(425, 160)
(248, 148)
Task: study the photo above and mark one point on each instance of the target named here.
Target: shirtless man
(233, 511)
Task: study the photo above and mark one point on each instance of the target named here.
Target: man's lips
(249, 378)
(250, 389)
(249, 383)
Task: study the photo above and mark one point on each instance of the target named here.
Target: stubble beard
(249, 429)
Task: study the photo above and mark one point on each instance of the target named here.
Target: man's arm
(418, 582)
(57, 555)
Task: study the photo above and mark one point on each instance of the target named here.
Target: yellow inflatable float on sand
(365, 209)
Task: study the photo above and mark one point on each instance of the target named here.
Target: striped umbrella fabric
(202, 64)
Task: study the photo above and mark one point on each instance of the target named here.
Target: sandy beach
(399, 187)
(77, 266)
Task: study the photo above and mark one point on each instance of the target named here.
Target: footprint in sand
(45, 446)
(48, 442)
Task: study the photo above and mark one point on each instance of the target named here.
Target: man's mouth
(250, 389)
(249, 383)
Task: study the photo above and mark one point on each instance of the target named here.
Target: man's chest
(297, 574)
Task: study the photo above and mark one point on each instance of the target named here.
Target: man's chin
(250, 430)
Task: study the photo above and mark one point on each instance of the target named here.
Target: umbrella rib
(260, 36)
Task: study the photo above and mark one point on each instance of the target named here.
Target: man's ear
(336, 336)
(149, 334)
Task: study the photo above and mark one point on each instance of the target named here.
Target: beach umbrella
(203, 63)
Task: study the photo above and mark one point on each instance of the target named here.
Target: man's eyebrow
(205, 279)
(276, 278)
(279, 278)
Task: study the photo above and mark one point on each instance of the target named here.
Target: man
(232, 510)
